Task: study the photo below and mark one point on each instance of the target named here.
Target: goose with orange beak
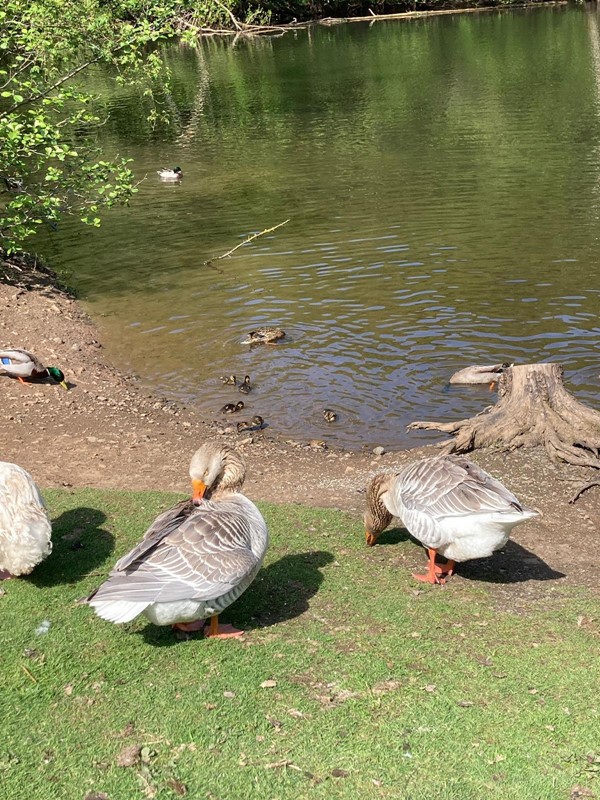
(196, 558)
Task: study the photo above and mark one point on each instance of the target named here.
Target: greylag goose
(488, 374)
(451, 505)
(22, 364)
(196, 558)
(25, 529)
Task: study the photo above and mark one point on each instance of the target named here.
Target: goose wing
(453, 486)
(435, 494)
(200, 558)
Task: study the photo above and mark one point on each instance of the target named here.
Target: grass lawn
(377, 687)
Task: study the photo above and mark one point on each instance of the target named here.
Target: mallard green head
(56, 374)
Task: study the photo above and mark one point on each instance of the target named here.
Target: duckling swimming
(245, 387)
(329, 415)
(264, 336)
(255, 424)
(232, 408)
(167, 174)
(228, 380)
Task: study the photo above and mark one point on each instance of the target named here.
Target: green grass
(384, 688)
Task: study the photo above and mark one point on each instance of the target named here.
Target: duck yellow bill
(199, 488)
(371, 538)
(65, 385)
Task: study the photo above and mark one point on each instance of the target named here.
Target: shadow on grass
(394, 536)
(280, 592)
(513, 564)
(79, 545)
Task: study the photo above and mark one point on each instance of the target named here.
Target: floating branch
(246, 240)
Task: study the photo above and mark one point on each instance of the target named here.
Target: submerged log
(533, 408)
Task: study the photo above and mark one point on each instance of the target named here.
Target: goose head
(216, 468)
(376, 516)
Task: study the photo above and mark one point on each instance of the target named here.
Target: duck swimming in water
(264, 336)
(329, 415)
(21, 364)
(168, 174)
(232, 408)
(228, 380)
(245, 387)
(255, 424)
(451, 505)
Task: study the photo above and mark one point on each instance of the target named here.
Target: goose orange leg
(217, 631)
(189, 627)
(436, 573)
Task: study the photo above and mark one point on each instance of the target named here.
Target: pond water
(442, 181)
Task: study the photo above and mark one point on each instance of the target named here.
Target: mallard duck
(329, 415)
(168, 174)
(245, 387)
(232, 408)
(486, 374)
(196, 558)
(451, 505)
(264, 336)
(255, 424)
(25, 529)
(228, 380)
(22, 364)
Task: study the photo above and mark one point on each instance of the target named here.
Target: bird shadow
(394, 536)
(513, 564)
(280, 592)
(79, 546)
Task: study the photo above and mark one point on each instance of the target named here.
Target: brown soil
(109, 432)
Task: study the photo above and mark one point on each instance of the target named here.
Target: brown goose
(196, 558)
(451, 505)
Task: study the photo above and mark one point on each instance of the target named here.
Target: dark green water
(442, 180)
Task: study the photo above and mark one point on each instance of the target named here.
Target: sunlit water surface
(442, 181)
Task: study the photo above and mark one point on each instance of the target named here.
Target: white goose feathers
(25, 529)
(449, 504)
(196, 558)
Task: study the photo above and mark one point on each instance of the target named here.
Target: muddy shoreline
(109, 431)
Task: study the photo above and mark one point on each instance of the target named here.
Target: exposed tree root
(533, 408)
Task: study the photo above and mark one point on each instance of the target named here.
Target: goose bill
(199, 488)
(371, 538)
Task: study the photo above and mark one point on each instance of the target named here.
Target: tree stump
(533, 408)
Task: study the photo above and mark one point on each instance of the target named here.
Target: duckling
(168, 174)
(329, 415)
(228, 380)
(264, 336)
(21, 364)
(245, 387)
(232, 408)
(255, 424)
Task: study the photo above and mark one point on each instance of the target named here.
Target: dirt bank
(108, 431)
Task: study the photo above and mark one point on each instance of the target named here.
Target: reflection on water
(441, 177)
